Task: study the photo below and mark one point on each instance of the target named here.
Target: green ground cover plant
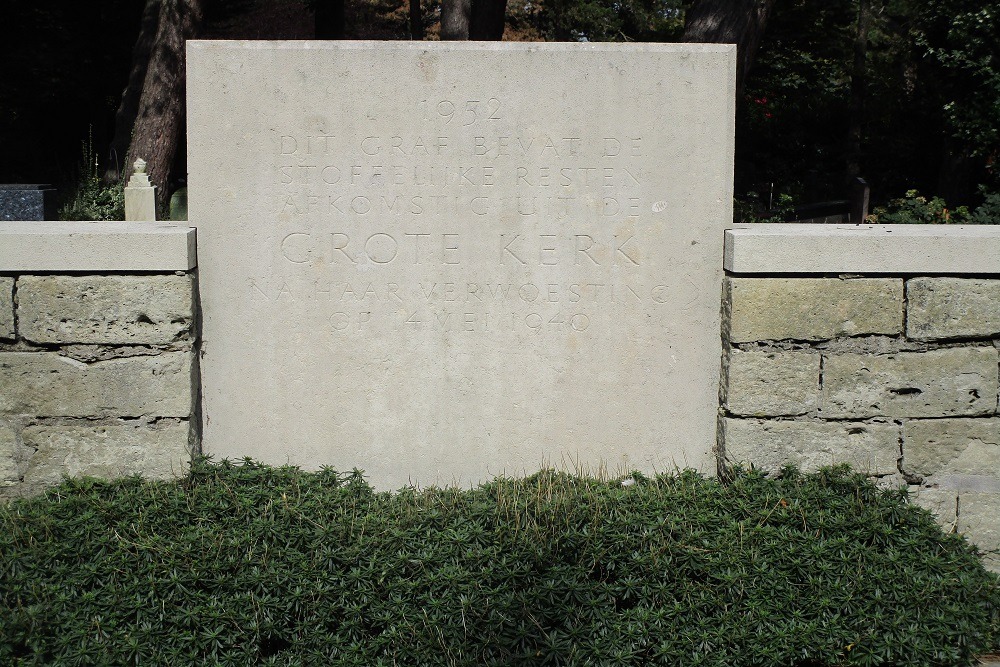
(252, 565)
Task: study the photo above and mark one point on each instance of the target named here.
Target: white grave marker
(438, 262)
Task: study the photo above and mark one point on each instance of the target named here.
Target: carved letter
(361, 205)
(450, 244)
(326, 179)
(288, 145)
(384, 250)
(546, 255)
(416, 245)
(625, 254)
(477, 210)
(585, 242)
(339, 242)
(507, 248)
(285, 249)
(370, 143)
(522, 175)
(549, 146)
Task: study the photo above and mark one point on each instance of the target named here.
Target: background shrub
(915, 209)
(91, 199)
(252, 565)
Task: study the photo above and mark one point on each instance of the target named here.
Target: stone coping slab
(95, 246)
(871, 249)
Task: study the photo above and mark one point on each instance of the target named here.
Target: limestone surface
(110, 309)
(975, 514)
(473, 275)
(936, 383)
(8, 462)
(951, 447)
(979, 520)
(812, 308)
(27, 247)
(943, 308)
(770, 384)
(6, 308)
(107, 450)
(772, 248)
(46, 384)
(942, 503)
(872, 448)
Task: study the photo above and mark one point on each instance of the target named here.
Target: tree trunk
(473, 19)
(114, 167)
(739, 22)
(330, 19)
(160, 119)
(456, 17)
(416, 21)
(859, 84)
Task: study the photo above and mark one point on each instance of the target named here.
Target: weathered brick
(812, 308)
(105, 309)
(769, 384)
(155, 451)
(8, 461)
(7, 308)
(937, 383)
(46, 384)
(951, 447)
(872, 448)
(942, 308)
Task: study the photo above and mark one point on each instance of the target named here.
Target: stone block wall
(97, 369)
(884, 359)
(897, 375)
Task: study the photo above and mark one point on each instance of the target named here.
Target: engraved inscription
(462, 161)
(406, 175)
(446, 248)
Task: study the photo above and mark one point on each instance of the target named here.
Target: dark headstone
(20, 201)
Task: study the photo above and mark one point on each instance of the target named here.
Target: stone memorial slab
(439, 262)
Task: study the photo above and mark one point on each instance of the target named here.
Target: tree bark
(473, 19)
(160, 119)
(128, 109)
(739, 22)
(859, 85)
(416, 21)
(456, 18)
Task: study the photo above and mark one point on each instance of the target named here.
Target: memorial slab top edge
(399, 45)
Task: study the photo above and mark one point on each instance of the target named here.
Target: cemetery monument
(440, 262)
